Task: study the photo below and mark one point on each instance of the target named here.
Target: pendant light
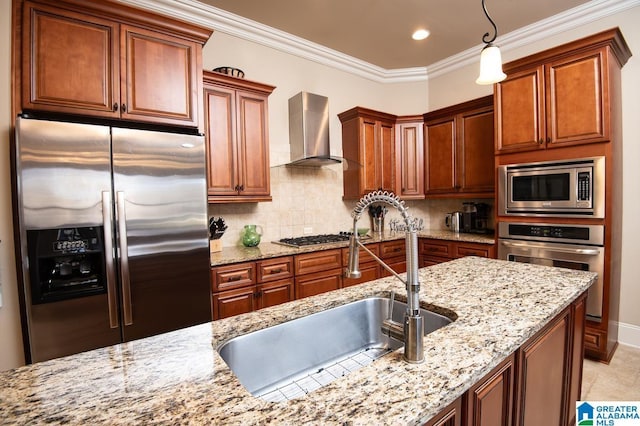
(490, 58)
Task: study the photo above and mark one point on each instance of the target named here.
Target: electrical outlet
(307, 230)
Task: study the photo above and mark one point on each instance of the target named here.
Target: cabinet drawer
(275, 269)
(389, 249)
(436, 248)
(481, 250)
(317, 261)
(233, 276)
(363, 255)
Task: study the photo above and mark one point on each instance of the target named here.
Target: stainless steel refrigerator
(112, 234)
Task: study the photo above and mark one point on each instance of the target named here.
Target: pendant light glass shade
(490, 65)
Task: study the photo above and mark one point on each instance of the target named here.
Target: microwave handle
(588, 252)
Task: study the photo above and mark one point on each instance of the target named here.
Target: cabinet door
(440, 156)
(450, 416)
(222, 165)
(317, 283)
(410, 163)
(520, 109)
(253, 146)
(490, 401)
(471, 249)
(475, 153)
(543, 376)
(275, 293)
(70, 62)
(368, 157)
(575, 100)
(159, 77)
(386, 156)
(233, 302)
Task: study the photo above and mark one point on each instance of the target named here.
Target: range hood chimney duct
(309, 131)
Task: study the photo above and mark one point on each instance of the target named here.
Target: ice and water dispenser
(66, 263)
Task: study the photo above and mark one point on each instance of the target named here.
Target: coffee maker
(475, 217)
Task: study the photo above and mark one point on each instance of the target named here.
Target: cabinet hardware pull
(124, 108)
(234, 278)
(548, 140)
(115, 106)
(540, 141)
(276, 271)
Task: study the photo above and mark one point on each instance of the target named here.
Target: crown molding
(222, 21)
(570, 19)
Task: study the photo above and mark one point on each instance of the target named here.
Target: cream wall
(10, 335)
(454, 87)
(303, 199)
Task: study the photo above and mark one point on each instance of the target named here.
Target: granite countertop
(268, 250)
(179, 378)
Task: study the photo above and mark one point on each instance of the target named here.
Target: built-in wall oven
(579, 247)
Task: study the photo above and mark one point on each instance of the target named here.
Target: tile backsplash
(309, 201)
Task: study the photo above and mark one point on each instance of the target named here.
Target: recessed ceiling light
(420, 34)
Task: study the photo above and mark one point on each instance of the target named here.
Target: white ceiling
(379, 31)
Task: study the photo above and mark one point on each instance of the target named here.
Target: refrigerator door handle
(108, 255)
(124, 259)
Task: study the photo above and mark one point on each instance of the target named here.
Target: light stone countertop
(266, 250)
(179, 378)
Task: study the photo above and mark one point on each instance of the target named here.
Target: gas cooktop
(309, 240)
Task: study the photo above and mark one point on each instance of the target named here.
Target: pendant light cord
(495, 29)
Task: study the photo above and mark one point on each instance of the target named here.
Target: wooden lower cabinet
(450, 416)
(488, 402)
(538, 384)
(432, 251)
(248, 286)
(318, 283)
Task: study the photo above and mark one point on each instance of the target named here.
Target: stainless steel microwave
(573, 188)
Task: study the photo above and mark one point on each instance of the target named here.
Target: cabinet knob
(123, 107)
(548, 140)
(540, 141)
(115, 106)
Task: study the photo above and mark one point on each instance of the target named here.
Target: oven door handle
(588, 252)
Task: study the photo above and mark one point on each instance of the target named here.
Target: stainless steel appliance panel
(570, 188)
(578, 247)
(162, 230)
(63, 169)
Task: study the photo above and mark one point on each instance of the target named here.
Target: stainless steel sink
(291, 359)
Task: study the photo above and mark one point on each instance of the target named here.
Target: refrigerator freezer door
(62, 171)
(159, 179)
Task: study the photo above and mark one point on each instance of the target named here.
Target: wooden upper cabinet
(103, 59)
(410, 158)
(237, 136)
(70, 62)
(458, 151)
(561, 96)
(159, 78)
(369, 146)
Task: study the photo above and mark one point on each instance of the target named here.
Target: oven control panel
(585, 234)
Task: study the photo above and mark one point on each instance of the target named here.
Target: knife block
(215, 246)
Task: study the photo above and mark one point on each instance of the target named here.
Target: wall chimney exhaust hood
(309, 131)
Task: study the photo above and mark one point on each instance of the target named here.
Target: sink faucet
(413, 324)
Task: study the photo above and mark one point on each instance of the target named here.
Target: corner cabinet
(104, 59)
(368, 145)
(560, 97)
(410, 157)
(458, 153)
(237, 139)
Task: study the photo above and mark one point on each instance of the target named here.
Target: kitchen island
(179, 378)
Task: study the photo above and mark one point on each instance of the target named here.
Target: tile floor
(618, 381)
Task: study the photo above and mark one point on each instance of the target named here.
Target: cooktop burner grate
(309, 240)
